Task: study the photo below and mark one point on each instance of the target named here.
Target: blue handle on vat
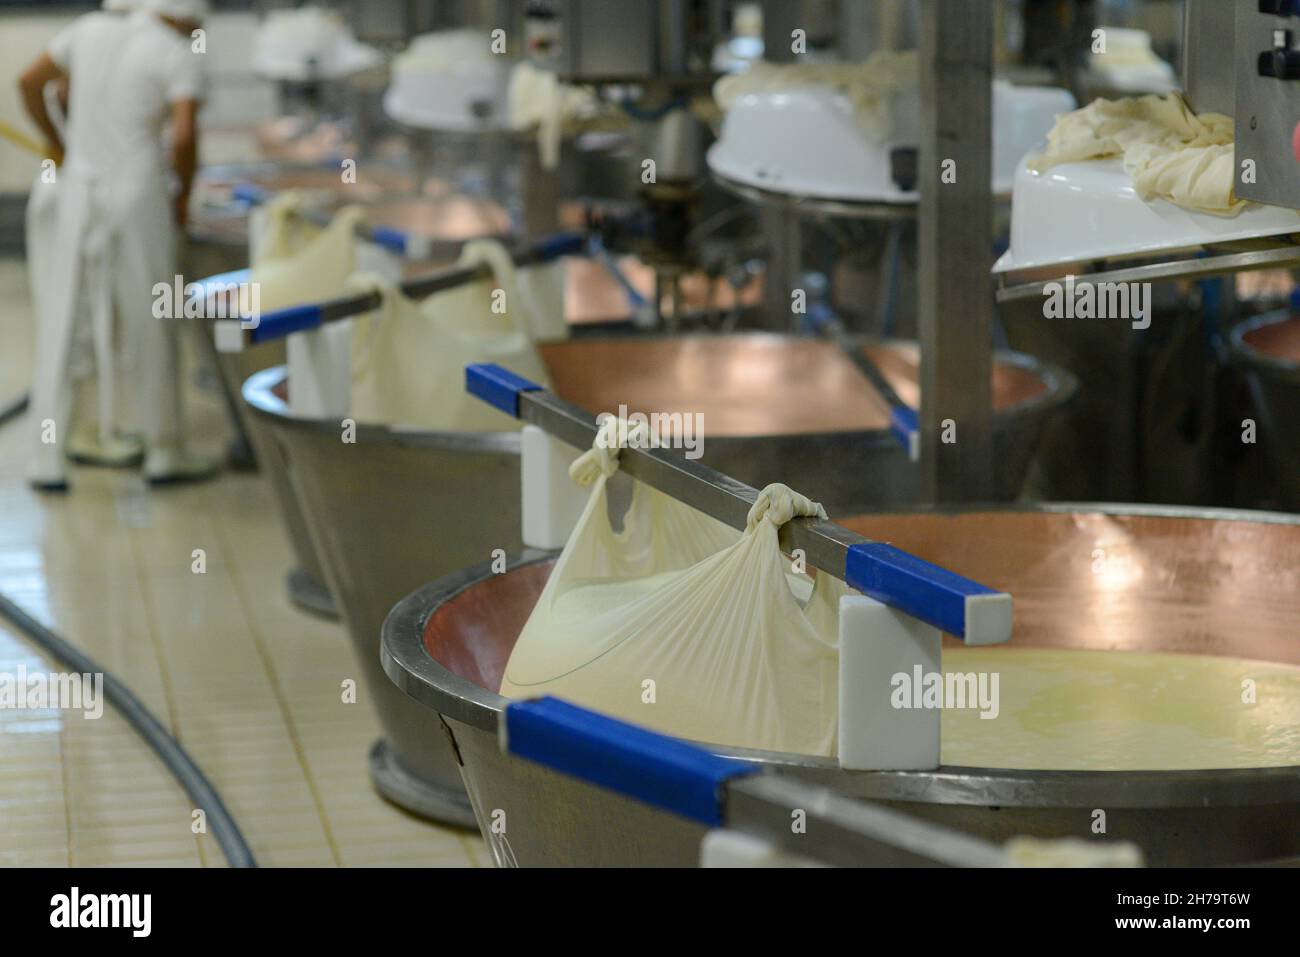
(248, 193)
(497, 386)
(391, 239)
(282, 322)
(961, 607)
(948, 601)
(658, 770)
(561, 244)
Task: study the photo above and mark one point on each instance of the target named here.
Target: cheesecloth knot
(612, 435)
(778, 504)
(363, 282)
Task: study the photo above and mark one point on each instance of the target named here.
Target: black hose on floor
(13, 410)
(176, 758)
(178, 761)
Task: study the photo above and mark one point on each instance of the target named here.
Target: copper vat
(1214, 583)
(402, 506)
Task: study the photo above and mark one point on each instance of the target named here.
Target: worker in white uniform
(98, 443)
(117, 220)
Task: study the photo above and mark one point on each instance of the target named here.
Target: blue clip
(282, 322)
(497, 386)
(561, 244)
(248, 193)
(658, 770)
(390, 238)
(925, 591)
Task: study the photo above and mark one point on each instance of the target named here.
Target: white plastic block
(726, 848)
(418, 248)
(228, 335)
(376, 260)
(552, 502)
(259, 224)
(876, 644)
(320, 371)
(988, 619)
(320, 360)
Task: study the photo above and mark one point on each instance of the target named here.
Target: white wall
(236, 99)
(22, 36)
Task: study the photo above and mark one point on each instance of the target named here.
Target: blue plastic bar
(248, 193)
(905, 426)
(911, 584)
(658, 770)
(282, 322)
(561, 244)
(391, 239)
(973, 612)
(497, 386)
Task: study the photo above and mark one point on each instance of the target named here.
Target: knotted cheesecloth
(297, 261)
(680, 623)
(1168, 151)
(409, 356)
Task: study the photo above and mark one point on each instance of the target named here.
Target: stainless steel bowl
(1268, 348)
(217, 242)
(400, 507)
(1213, 582)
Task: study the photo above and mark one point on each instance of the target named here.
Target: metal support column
(955, 236)
(780, 17)
(781, 229)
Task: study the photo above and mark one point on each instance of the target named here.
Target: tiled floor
(249, 685)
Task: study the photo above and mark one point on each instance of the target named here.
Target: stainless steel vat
(218, 243)
(1233, 579)
(400, 507)
(1268, 348)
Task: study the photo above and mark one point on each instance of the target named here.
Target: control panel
(1267, 116)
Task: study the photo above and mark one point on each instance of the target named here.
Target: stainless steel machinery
(447, 645)
(391, 512)
(1267, 348)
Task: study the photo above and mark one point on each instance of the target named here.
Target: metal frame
(950, 602)
(409, 665)
(300, 318)
(679, 777)
(824, 543)
(816, 205)
(1280, 255)
(844, 832)
(955, 314)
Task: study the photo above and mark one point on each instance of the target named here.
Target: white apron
(111, 239)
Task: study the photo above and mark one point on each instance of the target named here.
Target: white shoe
(46, 472)
(171, 464)
(118, 451)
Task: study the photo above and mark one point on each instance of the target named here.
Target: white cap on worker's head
(190, 11)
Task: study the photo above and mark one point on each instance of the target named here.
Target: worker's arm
(185, 152)
(31, 86)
